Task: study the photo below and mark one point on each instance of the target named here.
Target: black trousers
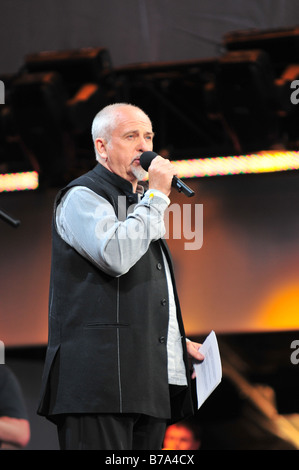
(110, 432)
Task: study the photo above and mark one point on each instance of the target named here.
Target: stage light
(19, 181)
(262, 162)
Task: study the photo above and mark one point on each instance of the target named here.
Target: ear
(101, 145)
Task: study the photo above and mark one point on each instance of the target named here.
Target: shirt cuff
(150, 193)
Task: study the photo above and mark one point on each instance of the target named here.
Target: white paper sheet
(209, 371)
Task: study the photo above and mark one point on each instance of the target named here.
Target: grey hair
(106, 120)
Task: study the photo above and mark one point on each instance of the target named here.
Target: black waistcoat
(107, 335)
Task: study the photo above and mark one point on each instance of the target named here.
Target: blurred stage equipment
(76, 67)
(245, 96)
(233, 105)
(282, 45)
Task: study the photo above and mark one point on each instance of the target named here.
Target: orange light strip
(19, 181)
(262, 162)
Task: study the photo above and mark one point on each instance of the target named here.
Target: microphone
(145, 161)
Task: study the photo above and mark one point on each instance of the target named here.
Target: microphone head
(146, 159)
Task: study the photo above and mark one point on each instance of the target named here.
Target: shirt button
(162, 339)
(159, 266)
(163, 302)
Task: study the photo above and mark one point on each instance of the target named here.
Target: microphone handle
(7, 218)
(182, 187)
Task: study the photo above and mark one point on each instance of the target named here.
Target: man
(116, 368)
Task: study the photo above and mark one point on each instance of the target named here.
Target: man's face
(180, 438)
(131, 136)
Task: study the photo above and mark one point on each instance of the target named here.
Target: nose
(144, 144)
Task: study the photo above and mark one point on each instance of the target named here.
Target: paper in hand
(209, 371)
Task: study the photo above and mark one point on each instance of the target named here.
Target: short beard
(139, 173)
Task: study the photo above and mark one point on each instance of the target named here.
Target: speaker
(245, 94)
